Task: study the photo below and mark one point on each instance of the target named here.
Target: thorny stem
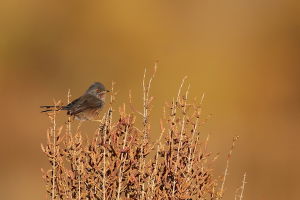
(146, 92)
(243, 187)
(69, 118)
(154, 171)
(104, 168)
(180, 139)
(191, 150)
(146, 102)
(179, 91)
(227, 165)
(112, 98)
(122, 164)
(104, 153)
(54, 151)
(68, 127)
(204, 151)
(173, 116)
(79, 188)
(156, 162)
(173, 112)
(107, 125)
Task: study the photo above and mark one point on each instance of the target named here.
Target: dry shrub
(120, 162)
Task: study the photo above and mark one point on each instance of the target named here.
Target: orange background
(244, 55)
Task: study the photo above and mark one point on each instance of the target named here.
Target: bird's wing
(85, 102)
(70, 105)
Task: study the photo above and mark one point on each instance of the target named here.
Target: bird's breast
(89, 114)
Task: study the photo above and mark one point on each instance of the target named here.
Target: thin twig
(180, 139)
(122, 163)
(227, 165)
(69, 117)
(146, 102)
(53, 117)
(243, 187)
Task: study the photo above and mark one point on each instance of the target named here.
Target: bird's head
(98, 90)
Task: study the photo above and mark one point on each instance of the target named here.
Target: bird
(87, 106)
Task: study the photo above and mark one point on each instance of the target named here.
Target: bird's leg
(70, 119)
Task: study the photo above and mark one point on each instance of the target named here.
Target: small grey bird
(86, 107)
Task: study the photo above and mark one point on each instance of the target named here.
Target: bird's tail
(53, 108)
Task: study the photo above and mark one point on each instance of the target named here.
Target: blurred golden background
(244, 55)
